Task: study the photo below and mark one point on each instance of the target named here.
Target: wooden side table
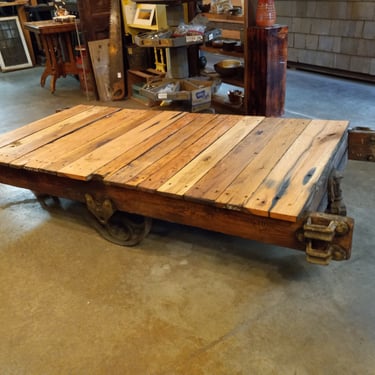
(56, 38)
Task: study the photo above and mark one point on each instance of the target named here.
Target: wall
(338, 35)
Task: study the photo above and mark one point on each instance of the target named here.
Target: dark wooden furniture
(58, 46)
(259, 178)
(266, 63)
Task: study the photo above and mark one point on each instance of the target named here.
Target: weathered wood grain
(157, 174)
(19, 133)
(284, 133)
(49, 134)
(225, 173)
(183, 180)
(66, 150)
(254, 177)
(167, 140)
(84, 167)
(145, 153)
(296, 172)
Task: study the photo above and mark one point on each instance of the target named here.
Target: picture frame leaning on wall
(14, 53)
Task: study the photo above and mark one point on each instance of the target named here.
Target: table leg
(47, 69)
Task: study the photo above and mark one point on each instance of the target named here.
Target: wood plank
(26, 130)
(160, 206)
(224, 173)
(38, 139)
(200, 165)
(66, 150)
(244, 186)
(301, 161)
(158, 173)
(99, 53)
(129, 164)
(318, 201)
(303, 179)
(84, 167)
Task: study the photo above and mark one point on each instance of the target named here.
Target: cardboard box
(194, 91)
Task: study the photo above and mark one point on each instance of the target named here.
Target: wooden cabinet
(94, 17)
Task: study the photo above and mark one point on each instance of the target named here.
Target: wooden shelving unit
(220, 51)
(224, 17)
(265, 60)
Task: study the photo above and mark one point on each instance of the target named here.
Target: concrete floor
(185, 301)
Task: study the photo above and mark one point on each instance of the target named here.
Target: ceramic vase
(265, 13)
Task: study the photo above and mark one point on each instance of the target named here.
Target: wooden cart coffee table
(266, 179)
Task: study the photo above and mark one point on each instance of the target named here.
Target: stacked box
(197, 93)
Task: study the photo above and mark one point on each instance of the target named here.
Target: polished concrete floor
(184, 301)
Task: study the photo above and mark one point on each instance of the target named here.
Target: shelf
(220, 51)
(165, 2)
(182, 41)
(224, 18)
(233, 81)
(239, 82)
(143, 27)
(222, 103)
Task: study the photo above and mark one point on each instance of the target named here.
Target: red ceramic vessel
(265, 13)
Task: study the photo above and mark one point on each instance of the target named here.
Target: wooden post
(265, 66)
(20, 5)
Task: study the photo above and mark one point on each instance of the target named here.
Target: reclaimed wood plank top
(269, 167)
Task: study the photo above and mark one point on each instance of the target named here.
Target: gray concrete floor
(184, 301)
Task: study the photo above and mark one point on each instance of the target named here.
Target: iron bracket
(336, 203)
(327, 237)
(116, 226)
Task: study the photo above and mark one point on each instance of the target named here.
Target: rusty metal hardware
(336, 203)
(102, 210)
(47, 201)
(116, 226)
(320, 233)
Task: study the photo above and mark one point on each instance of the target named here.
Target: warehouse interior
(187, 300)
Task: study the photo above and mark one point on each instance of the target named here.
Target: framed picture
(13, 49)
(144, 14)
